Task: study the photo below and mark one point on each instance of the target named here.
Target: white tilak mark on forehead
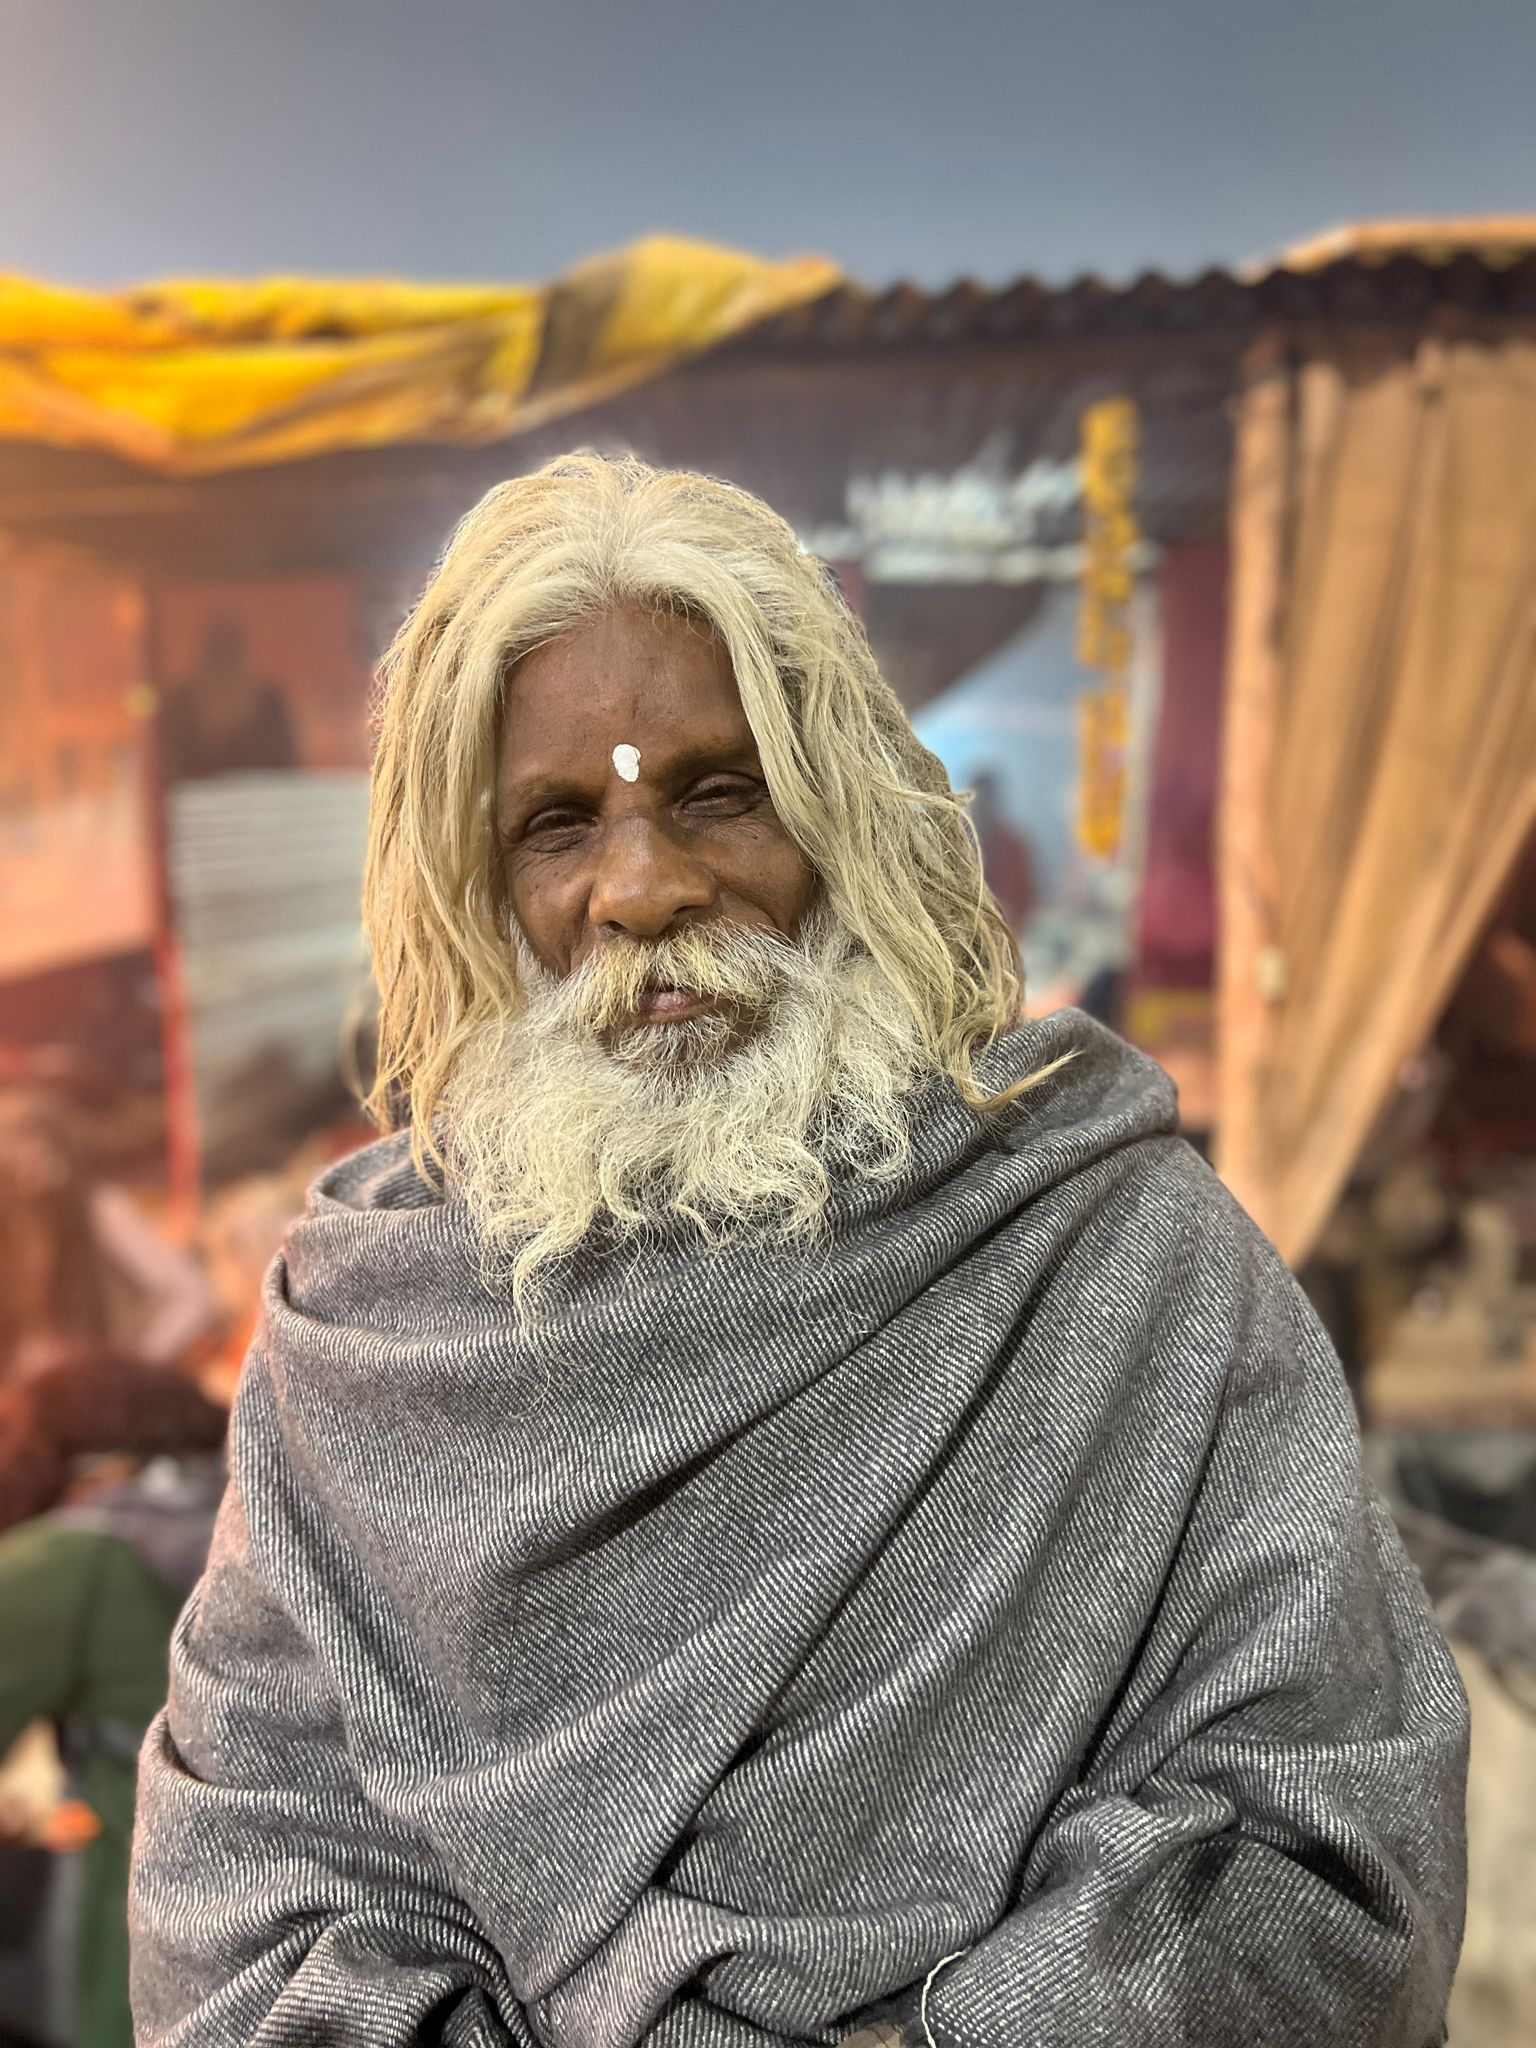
(626, 762)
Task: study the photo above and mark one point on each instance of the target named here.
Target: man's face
(591, 856)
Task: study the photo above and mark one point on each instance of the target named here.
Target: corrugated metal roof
(1494, 239)
(1383, 286)
(857, 382)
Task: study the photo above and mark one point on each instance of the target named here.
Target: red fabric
(1177, 919)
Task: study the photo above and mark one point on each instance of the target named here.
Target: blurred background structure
(1217, 592)
(1326, 715)
(1216, 588)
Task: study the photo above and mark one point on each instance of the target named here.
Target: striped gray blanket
(978, 1632)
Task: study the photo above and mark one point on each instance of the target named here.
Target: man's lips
(673, 1005)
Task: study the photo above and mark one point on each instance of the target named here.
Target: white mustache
(741, 966)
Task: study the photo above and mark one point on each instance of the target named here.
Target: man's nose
(644, 880)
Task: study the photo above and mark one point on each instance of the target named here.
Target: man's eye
(550, 823)
(723, 793)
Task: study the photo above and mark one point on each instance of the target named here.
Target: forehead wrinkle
(639, 702)
(540, 785)
(658, 761)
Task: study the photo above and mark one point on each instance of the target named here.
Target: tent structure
(1380, 756)
(1352, 427)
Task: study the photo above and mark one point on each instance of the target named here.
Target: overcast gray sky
(905, 138)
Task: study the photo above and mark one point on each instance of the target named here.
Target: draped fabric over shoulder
(997, 1584)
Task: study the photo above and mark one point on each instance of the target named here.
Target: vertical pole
(1250, 965)
(183, 1146)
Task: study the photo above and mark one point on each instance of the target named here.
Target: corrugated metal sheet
(1218, 302)
(266, 876)
(1495, 239)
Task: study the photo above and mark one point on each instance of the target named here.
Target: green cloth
(86, 1628)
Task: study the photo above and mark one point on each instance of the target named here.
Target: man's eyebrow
(725, 754)
(519, 801)
(540, 787)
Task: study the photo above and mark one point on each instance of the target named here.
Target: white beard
(549, 1128)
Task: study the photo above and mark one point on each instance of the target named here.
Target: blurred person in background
(98, 1315)
(88, 1597)
(86, 1627)
(784, 1504)
(223, 718)
(85, 1270)
(1006, 858)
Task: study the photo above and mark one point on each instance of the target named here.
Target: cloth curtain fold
(1380, 772)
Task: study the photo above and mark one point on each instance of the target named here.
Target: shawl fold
(996, 1583)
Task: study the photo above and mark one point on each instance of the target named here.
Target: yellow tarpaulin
(190, 377)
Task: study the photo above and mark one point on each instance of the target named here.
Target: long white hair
(868, 805)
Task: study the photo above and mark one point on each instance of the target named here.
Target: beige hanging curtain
(1381, 739)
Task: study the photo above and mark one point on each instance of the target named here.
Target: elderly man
(786, 1505)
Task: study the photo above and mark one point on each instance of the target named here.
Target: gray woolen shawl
(998, 1584)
